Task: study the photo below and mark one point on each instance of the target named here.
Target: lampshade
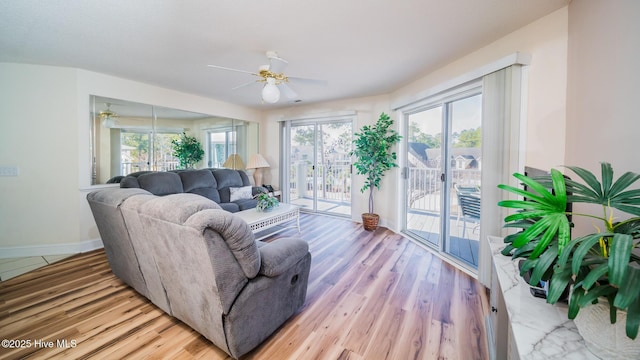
(108, 122)
(234, 162)
(107, 116)
(257, 161)
(270, 92)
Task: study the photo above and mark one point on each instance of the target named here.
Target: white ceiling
(360, 47)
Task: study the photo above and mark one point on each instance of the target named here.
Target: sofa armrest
(281, 254)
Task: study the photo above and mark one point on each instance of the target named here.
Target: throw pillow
(238, 193)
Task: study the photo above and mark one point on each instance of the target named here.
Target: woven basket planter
(370, 221)
(606, 340)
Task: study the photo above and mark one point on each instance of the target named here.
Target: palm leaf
(634, 210)
(563, 259)
(528, 265)
(543, 206)
(592, 296)
(619, 255)
(624, 181)
(520, 192)
(607, 178)
(588, 178)
(579, 190)
(633, 318)
(558, 283)
(525, 251)
(607, 193)
(628, 293)
(564, 233)
(631, 227)
(523, 204)
(594, 275)
(548, 235)
(581, 251)
(576, 297)
(545, 261)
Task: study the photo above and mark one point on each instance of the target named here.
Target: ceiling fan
(108, 117)
(274, 79)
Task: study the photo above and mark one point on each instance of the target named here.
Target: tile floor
(17, 266)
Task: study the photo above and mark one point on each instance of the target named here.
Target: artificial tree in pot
(188, 151)
(602, 267)
(372, 149)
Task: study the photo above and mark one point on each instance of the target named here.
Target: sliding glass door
(320, 166)
(442, 175)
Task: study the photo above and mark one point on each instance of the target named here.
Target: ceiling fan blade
(288, 92)
(231, 69)
(245, 84)
(300, 80)
(277, 64)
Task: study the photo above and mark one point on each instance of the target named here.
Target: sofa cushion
(227, 178)
(244, 177)
(161, 183)
(245, 204)
(200, 182)
(129, 182)
(230, 207)
(240, 193)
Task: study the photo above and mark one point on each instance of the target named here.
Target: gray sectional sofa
(214, 184)
(200, 263)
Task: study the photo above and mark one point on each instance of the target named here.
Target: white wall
(38, 133)
(44, 130)
(604, 84)
(603, 91)
(545, 40)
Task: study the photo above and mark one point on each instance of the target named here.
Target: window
(502, 84)
(445, 128)
(222, 143)
(319, 164)
(136, 152)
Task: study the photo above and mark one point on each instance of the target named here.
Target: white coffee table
(260, 220)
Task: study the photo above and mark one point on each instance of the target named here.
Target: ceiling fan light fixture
(270, 92)
(274, 79)
(107, 117)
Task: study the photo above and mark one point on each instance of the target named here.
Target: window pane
(163, 152)
(134, 151)
(425, 166)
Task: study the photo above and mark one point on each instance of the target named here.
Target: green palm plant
(601, 264)
(372, 149)
(188, 150)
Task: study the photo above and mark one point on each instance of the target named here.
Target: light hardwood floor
(371, 295)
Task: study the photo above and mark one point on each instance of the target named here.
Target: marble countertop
(540, 330)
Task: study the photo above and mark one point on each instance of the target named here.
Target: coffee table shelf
(260, 221)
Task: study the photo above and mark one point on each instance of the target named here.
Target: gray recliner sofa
(202, 265)
(214, 184)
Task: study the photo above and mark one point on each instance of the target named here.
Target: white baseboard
(53, 249)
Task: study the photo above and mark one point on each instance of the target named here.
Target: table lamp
(257, 162)
(234, 162)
